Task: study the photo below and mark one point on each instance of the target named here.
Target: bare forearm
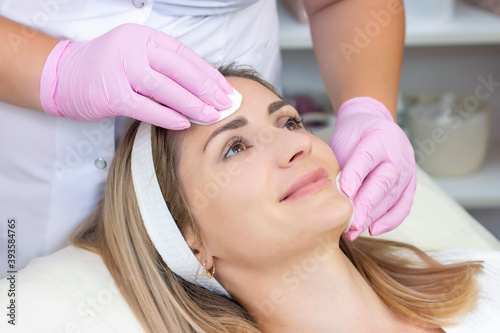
(23, 56)
(359, 48)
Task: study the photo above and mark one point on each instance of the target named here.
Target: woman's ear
(191, 241)
(196, 247)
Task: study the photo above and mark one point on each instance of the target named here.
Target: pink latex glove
(123, 73)
(378, 166)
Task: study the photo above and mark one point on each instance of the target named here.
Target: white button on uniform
(100, 163)
(138, 4)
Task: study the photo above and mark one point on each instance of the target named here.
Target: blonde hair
(415, 287)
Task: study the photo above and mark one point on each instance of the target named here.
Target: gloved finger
(405, 179)
(382, 208)
(353, 234)
(147, 110)
(367, 155)
(189, 76)
(206, 68)
(168, 42)
(396, 215)
(360, 220)
(375, 191)
(379, 184)
(169, 93)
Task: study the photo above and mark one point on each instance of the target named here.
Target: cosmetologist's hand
(378, 166)
(125, 72)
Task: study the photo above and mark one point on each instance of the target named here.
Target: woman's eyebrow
(275, 106)
(243, 121)
(233, 124)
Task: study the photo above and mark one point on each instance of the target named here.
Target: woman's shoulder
(70, 290)
(485, 317)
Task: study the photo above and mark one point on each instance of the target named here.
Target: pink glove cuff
(365, 105)
(48, 82)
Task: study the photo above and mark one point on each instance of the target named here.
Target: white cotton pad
(340, 190)
(235, 98)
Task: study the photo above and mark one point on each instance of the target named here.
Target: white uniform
(52, 169)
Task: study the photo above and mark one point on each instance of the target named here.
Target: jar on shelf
(449, 132)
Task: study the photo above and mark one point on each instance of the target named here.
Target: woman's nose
(292, 147)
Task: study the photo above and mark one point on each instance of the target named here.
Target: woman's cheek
(327, 154)
(247, 181)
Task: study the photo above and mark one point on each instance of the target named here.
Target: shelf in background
(469, 26)
(478, 190)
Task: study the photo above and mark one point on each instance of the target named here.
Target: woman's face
(261, 188)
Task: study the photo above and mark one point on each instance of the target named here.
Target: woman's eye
(293, 124)
(235, 149)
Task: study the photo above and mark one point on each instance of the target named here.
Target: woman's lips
(308, 183)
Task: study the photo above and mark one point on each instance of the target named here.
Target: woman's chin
(332, 214)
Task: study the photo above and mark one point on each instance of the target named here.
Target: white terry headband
(158, 220)
(235, 98)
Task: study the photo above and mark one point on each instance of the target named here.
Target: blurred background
(449, 101)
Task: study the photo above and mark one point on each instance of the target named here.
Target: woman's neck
(318, 295)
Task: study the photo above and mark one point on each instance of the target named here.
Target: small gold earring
(207, 273)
